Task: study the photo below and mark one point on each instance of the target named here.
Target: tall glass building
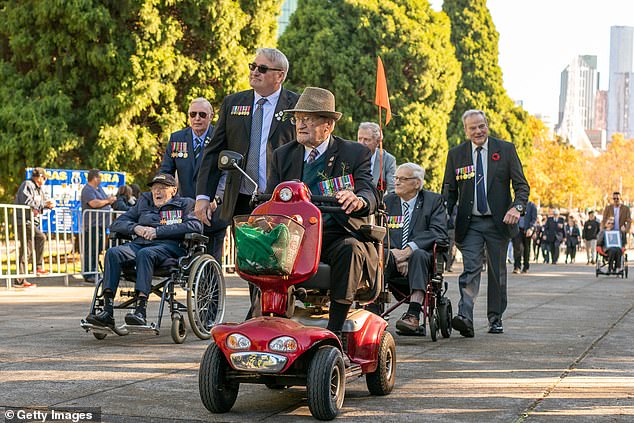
(621, 86)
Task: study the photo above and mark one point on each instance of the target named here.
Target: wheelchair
(436, 310)
(197, 273)
(602, 264)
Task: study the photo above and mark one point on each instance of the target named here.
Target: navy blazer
(428, 220)
(187, 167)
(233, 132)
(504, 170)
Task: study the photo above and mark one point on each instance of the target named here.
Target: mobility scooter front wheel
(217, 394)
(381, 381)
(326, 383)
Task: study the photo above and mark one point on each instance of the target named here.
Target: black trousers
(418, 267)
(521, 250)
(26, 246)
(346, 257)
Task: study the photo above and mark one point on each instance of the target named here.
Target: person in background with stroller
(572, 239)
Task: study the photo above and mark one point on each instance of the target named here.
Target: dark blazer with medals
(428, 220)
(503, 169)
(182, 160)
(233, 132)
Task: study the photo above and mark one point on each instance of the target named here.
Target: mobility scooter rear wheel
(381, 381)
(217, 394)
(326, 383)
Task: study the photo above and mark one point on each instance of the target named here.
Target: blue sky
(538, 38)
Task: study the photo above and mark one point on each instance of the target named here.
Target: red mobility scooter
(290, 345)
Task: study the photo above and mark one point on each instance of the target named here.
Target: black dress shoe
(104, 319)
(463, 325)
(496, 327)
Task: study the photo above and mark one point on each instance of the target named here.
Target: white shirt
(485, 154)
(412, 205)
(321, 149)
(267, 119)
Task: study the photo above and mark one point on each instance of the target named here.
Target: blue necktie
(253, 157)
(198, 143)
(480, 189)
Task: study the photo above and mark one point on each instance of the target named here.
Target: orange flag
(381, 98)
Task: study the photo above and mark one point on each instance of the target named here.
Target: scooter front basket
(267, 244)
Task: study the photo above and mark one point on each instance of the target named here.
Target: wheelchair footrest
(89, 327)
(151, 328)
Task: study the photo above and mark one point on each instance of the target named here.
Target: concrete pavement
(566, 355)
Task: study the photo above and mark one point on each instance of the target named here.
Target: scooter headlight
(235, 341)
(286, 194)
(283, 344)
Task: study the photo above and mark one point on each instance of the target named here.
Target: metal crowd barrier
(65, 253)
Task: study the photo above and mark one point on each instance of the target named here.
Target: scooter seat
(320, 280)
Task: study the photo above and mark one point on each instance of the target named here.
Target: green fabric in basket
(261, 252)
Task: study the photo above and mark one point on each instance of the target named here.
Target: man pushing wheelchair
(159, 222)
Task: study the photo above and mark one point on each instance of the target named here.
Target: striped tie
(198, 143)
(405, 224)
(312, 156)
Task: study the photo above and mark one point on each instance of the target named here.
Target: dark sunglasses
(262, 68)
(203, 115)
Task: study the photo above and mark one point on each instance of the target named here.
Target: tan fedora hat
(316, 100)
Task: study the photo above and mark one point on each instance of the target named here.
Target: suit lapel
(331, 162)
(282, 104)
(394, 209)
(296, 165)
(377, 171)
(494, 148)
(416, 212)
(248, 101)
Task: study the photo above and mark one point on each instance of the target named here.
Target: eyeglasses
(262, 68)
(203, 115)
(403, 178)
(306, 120)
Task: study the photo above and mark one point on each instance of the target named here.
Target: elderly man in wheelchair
(611, 250)
(160, 220)
(417, 221)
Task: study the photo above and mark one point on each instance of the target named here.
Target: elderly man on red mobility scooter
(279, 351)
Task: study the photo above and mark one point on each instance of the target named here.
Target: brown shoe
(408, 324)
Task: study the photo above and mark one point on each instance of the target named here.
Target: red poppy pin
(495, 157)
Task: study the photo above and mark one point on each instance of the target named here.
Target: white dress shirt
(267, 119)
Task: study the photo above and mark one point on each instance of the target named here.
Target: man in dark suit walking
(478, 177)
(416, 219)
(314, 156)
(251, 123)
(553, 234)
(182, 158)
(522, 241)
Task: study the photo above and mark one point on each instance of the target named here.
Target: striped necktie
(405, 224)
(198, 143)
(312, 156)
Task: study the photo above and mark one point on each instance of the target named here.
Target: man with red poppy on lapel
(478, 178)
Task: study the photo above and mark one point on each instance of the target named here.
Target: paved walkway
(567, 355)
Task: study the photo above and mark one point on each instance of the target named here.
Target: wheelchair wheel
(445, 314)
(205, 295)
(326, 383)
(381, 381)
(217, 394)
(179, 331)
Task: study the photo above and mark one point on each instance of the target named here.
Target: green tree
(335, 44)
(476, 41)
(102, 83)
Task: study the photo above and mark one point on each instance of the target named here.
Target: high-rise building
(621, 86)
(288, 7)
(577, 97)
(601, 110)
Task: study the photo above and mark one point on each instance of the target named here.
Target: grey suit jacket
(428, 221)
(389, 170)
